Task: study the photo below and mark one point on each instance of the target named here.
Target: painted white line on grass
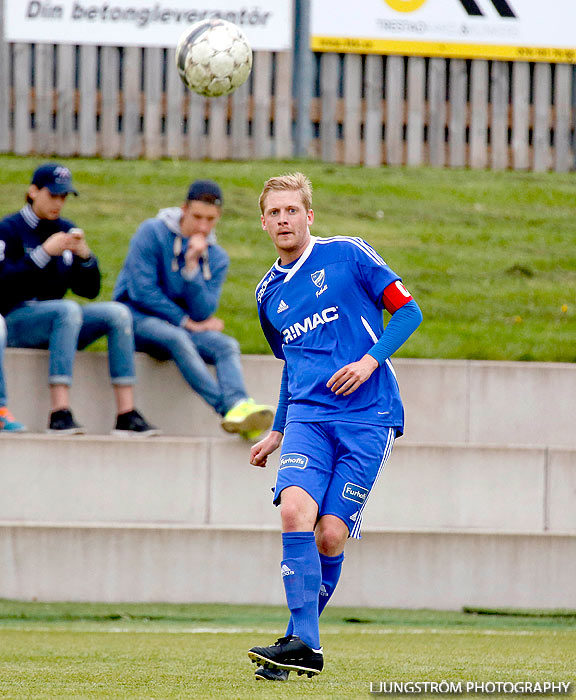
(433, 630)
(134, 630)
(272, 632)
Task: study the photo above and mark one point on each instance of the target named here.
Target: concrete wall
(193, 481)
(499, 403)
(443, 570)
(476, 506)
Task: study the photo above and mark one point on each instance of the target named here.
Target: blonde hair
(297, 182)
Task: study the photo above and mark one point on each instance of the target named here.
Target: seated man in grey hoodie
(171, 280)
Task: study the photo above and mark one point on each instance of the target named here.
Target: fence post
(43, 68)
(395, 106)
(520, 115)
(329, 80)
(261, 100)
(563, 118)
(22, 142)
(437, 119)
(66, 137)
(87, 101)
(374, 112)
(573, 105)
(479, 114)
(542, 121)
(415, 118)
(4, 88)
(303, 77)
(499, 115)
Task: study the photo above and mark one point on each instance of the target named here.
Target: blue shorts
(337, 463)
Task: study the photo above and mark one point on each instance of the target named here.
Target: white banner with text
(267, 25)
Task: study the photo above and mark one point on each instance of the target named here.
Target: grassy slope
(490, 257)
(76, 650)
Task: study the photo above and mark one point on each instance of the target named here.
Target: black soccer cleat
(290, 654)
(271, 674)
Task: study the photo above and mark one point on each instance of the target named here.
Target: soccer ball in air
(213, 57)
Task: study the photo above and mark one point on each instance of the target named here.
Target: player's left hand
(212, 324)
(77, 243)
(260, 451)
(347, 379)
(197, 245)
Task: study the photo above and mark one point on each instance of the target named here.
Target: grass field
(489, 256)
(62, 651)
(491, 259)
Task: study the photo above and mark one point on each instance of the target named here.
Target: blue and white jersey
(322, 312)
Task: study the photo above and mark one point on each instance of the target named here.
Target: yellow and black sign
(521, 30)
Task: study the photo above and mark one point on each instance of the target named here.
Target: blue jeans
(2, 348)
(191, 351)
(63, 326)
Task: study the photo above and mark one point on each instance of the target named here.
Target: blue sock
(302, 577)
(331, 568)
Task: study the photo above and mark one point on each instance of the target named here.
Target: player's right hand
(57, 243)
(210, 324)
(348, 378)
(197, 245)
(73, 240)
(213, 324)
(260, 451)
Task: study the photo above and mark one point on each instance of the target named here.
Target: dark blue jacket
(27, 273)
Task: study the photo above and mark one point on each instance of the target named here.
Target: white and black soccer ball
(213, 57)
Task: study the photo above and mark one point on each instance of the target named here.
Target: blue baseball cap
(205, 190)
(57, 178)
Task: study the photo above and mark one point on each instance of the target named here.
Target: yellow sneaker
(251, 435)
(248, 417)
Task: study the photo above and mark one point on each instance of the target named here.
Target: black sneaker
(271, 674)
(133, 424)
(291, 654)
(62, 423)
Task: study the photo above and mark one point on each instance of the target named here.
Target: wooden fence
(129, 102)
(445, 112)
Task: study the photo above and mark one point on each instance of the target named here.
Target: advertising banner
(267, 25)
(524, 30)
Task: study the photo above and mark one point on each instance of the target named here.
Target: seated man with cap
(171, 280)
(42, 257)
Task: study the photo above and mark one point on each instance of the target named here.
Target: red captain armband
(395, 296)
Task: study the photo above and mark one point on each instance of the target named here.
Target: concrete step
(208, 481)
(446, 401)
(410, 569)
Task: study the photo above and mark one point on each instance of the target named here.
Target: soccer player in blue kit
(339, 411)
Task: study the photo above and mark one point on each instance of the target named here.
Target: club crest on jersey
(310, 323)
(293, 459)
(319, 278)
(353, 492)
